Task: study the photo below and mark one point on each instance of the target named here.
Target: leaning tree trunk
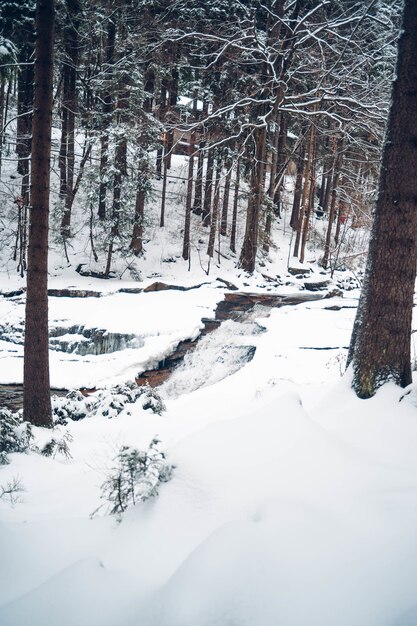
(36, 388)
(380, 343)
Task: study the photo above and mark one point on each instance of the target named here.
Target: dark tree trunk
(208, 189)
(225, 208)
(187, 222)
(305, 192)
(380, 343)
(106, 119)
(310, 201)
(198, 190)
(70, 107)
(235, 205)
(215, 211)
(295, 214)
(120, 171)
(332, 212)
(161, 116)
(36, 387)
(24, 106)
(143, 176)
(247, 259)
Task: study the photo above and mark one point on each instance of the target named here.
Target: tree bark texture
(380, 343)
(36, 394)
(247, 259)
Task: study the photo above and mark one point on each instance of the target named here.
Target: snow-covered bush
(15, 434)
(107, 403)
(111, 402)
(135, 477)
(73, 406)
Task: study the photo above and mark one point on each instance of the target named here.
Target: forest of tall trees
(246, 91)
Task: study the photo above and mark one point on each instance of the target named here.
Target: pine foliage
(135, 477)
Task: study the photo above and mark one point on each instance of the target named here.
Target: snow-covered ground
(292, 503)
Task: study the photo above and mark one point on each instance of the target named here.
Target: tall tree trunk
(187, 223)
(25, 81)
(295, 214)
(120, 171)
(305, 193)
(36, 387)
(235, 206)
(332, 213)
(143, 176)
(208, 189)
(70, 103)
(225, 208)
(310, 201)
(247, 259)
(198, 188)
(380, 343)
(106, 118)
(215, 211)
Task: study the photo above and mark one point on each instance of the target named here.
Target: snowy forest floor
(292, 502)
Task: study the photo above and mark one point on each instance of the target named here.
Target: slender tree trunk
(24, 106)
(164, 188)
(106, 119)
(198, 188)
(295, 214)
(235, 206)
(332, 213)
(208, 189)
(36, 387)
(310, 202)
(137, 236)
(380, 344)
(120, 171)
(225, 208)
(71, 106)
(161, 117)
(247, 259)
(305, 194)
(187, 223)
(215, 211)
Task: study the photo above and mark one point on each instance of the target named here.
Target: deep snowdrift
(291, 504)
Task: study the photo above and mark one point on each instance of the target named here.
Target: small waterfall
(219, 354)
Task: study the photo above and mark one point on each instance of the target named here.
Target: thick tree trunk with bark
(37, 399)
(380, 344)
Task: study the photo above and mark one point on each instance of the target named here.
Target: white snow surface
(292, 502)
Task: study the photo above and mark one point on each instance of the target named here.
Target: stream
(226, 338)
